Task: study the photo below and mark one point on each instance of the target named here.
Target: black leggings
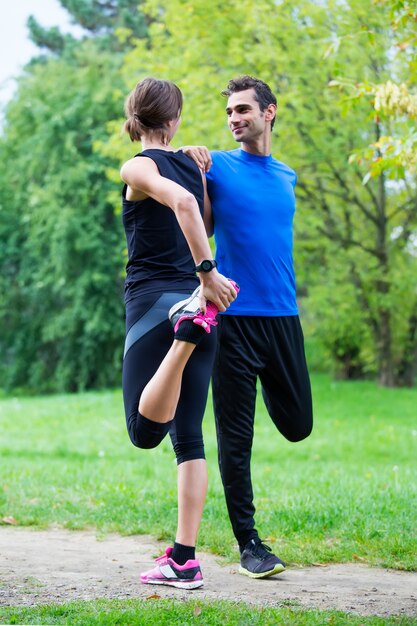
(148, 339)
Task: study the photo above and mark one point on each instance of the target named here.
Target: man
(260, 336)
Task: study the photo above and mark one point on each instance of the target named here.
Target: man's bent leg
(285, 381)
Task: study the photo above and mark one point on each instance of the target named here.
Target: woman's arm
(142, 175)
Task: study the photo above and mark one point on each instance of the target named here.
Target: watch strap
(206, 266)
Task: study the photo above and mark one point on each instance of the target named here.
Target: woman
(166, 371)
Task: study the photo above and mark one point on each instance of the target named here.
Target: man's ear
(270, 112)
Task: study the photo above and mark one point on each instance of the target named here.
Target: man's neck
(260, 147)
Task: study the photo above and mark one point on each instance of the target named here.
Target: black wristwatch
(206, 265)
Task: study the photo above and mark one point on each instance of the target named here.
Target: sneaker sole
(192, 584)
(277, 569)
(176, 307)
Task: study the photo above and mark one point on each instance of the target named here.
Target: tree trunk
(384, 338)
(386, 371)
(407, 371)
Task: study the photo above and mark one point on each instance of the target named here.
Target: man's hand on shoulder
(216, 288)
(199, 154)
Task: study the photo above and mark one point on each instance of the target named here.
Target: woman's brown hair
(151, 104)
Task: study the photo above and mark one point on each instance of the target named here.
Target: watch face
(206, 266)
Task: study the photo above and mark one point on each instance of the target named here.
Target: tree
(100, 19)
(345, 230)
(388, 167)
(355, 228)
(61, 264)
(65, 311)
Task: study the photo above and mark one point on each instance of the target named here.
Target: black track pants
(149, 337)
(271, 348)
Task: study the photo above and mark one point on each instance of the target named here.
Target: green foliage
(350, 227)
(50, 38)
(386, 161)
(346, 493)
(62, 267)
(100, 18)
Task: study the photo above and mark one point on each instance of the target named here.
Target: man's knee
(299, 428)
(300, 434)
(232, 443)
(295, 423)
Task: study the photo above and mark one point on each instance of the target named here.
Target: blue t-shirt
(253, 205)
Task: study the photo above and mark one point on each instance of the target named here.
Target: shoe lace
(201, 319)
(162, 559)
(209, 320)
(260, 549)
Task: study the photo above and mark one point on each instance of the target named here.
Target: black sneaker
(257, 560)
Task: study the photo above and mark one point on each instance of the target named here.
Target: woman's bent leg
(159, 399)
(152, 368)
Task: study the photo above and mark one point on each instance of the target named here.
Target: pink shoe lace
(161, 560)
(209, 318)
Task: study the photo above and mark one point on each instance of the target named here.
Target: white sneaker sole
(277, 569)
(192, 584)
(178, 305)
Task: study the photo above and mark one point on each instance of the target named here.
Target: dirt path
(57, 566)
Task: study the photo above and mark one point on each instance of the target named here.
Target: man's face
(246, 120)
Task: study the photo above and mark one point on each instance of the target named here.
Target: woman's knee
(145, 433)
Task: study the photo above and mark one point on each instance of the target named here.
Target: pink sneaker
(167, 572)
(209, 319)
(189, 309)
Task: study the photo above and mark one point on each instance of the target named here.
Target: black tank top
(159, 258)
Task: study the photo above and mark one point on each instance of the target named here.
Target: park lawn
(347, 493)
(155, 612)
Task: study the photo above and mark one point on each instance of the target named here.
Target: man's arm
(208, 213)
(143, 175)
(202, 156)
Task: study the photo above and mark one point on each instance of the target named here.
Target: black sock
(181, 554)
(190, 332)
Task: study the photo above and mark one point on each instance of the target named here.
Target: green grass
(347, 493)
(176, 613)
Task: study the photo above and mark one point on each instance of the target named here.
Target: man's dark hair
(263, 93)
